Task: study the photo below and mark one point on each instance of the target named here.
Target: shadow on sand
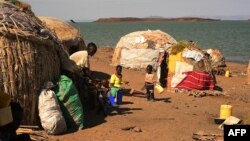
(126, 92)
(141, 94)
(218, 88)
(92, 118)
(166, 100)
(116, 110)
(100, 75)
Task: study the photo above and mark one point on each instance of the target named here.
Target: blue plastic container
(119, 98)
(112, 100)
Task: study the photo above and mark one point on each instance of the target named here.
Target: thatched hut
(138, 49)
(29, 56)
(69, 36)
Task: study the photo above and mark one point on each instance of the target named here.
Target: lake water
(231, 37)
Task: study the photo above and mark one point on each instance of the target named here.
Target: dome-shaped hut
(29, 55)
(69, 36)
(138, 49)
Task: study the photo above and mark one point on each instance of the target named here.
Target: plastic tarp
(172, 61)
(70, 103)
(181, 68)
(132, 45)
(138, 58)
(197, 56)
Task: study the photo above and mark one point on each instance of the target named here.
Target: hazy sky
(94, 9)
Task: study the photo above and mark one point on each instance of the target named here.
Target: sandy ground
(172, 117)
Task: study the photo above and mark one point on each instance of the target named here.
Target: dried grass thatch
(69, 36)
(29, 56)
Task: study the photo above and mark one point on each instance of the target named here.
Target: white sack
(50, 114)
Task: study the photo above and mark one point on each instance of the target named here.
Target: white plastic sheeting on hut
(138, 49)
(138, 58)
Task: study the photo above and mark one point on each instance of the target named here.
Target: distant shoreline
(134, 19)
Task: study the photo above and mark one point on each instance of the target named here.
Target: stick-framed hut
(29, 56)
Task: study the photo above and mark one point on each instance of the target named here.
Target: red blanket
(197, 80)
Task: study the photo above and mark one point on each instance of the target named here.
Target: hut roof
(137, 44)
(146, 39)
(68, 34)
(63, 30)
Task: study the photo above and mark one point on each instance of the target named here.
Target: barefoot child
(149, 83)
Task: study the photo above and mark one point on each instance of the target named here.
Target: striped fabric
(197, 80)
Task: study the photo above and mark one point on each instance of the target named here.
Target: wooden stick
(23, 130)
(29, 126)
(38, 138)
(31, 133)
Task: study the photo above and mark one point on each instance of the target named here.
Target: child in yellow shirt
(115, 84)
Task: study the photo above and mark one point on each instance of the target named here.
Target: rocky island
(150, 19)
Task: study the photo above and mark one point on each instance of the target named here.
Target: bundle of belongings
(70, 105)
(50, 113)
(189, 68)
(217, 60)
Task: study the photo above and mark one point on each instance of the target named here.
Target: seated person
(115, 84)
(102, 99)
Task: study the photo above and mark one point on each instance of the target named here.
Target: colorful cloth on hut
(197, 80)
(180, 69)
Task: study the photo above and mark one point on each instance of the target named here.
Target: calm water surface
(231, 37)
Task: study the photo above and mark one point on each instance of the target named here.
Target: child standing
(149, 83)
(115, 84)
